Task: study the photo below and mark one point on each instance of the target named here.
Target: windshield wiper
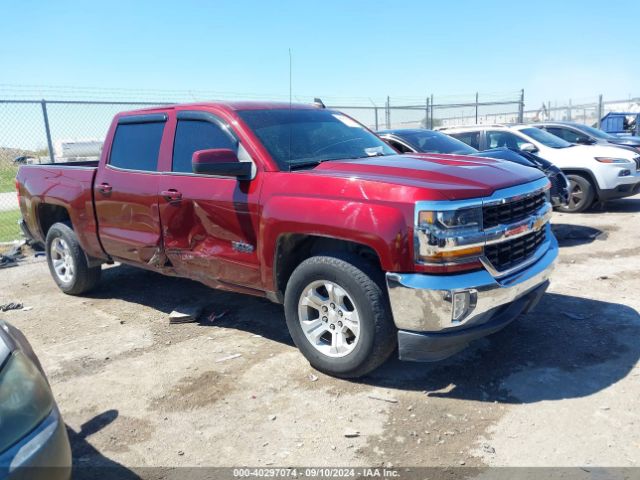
(377, 154)
(295, 165)
(300, 165)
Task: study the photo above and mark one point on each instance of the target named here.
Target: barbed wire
(62, 92)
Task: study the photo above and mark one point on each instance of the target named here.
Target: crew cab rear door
(126, 189)
(209, 223)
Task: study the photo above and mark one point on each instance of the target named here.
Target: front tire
(581, 195)
(338, 315)
(68, 262)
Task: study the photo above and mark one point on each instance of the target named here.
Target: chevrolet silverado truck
(368, 250)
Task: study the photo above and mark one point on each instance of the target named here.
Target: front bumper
(621, 191)
(609, 178)
(422, 306)
(43, 454)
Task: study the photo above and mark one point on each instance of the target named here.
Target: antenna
(290, 77)
(290, 96)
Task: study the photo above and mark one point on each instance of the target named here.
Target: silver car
(33, 437)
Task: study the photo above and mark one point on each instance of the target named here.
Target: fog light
(624, 173)
(462, 305)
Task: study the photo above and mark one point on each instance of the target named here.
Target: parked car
(366, 249)
(596, 173)
(585, 135)
(430, 141)
(33, 437)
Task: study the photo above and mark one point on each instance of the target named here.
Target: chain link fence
(42, 131)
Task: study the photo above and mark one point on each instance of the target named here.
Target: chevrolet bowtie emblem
(538, 223)
(517, 230)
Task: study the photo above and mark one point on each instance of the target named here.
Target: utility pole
(375, 111)
(476, 108)
(521, 107)
(432, 109)
(600, 111)
(426, 113)
(388, 113)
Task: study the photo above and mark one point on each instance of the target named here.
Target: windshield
(594, 132)
(546, 138)
(310, 136)
(435, 142)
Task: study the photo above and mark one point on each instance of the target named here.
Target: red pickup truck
(366, 249)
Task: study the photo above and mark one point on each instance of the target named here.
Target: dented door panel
(210, 234)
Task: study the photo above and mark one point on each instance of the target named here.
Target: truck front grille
(512, 212)
(637, 159)
(511, 253)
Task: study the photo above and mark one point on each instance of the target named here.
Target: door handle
(105, 188)
(171, 195)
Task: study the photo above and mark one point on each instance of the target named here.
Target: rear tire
(581, 195)
(338, 315)
(68, 262)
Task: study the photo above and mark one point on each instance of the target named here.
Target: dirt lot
(560, 387)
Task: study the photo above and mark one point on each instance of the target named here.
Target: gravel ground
(559, 387)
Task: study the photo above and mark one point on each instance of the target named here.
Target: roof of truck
(236, 105)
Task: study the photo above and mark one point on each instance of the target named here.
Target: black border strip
(148, 118)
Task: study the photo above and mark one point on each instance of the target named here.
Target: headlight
(467, 218)
(612, 160)
(25, 399)
(449, 237)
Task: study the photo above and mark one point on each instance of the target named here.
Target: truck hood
(454, 177)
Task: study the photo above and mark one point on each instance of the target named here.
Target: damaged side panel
(210, 235)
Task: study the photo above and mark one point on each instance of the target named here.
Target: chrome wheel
(329, 318)
(62, 260)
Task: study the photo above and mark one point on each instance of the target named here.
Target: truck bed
(48, 192)
(79, 163)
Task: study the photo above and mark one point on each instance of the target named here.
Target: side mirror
(584, 141)
(528, 147)
(220, 162)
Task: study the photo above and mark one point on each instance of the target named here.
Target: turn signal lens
(426, 218)
(460, 255)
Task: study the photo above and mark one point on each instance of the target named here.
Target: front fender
(382, 227)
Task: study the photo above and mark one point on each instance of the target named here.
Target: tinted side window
(470, 138)
(399, 146)
(194, 135)
(499, 138)
(565, 134)
(136, 146)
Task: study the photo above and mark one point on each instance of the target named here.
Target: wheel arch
(293, 248)
(48, 214)
(586, 174)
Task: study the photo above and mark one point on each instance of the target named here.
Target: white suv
(596, 173)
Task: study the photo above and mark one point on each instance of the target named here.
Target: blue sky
(553, 49)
